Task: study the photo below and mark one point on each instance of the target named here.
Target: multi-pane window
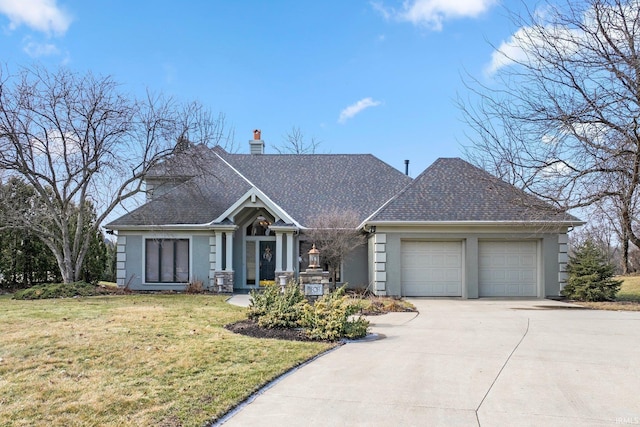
(166, 260)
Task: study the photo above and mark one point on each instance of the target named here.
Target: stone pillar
(223, 281)
(221, 276)
(312, 279)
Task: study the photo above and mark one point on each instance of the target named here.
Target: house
(233, 221)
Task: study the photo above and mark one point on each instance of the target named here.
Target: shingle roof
(184, 163)
(302, 185)
(197, 201)
(452, 189)
(306, 184)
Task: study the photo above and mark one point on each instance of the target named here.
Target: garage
(431, 269)
(508, 268)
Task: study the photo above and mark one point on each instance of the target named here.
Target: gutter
(205, 226)
(476, 223)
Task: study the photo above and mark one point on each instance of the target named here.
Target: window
(167, 260)
(259, 227)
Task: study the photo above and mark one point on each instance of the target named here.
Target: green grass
(131, 360)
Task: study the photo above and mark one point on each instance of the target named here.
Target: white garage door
(508, 269)
(432, 269)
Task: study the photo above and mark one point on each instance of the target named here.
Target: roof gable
(452, 189)
(305, 184)
(197, 201)
(293, 187)
(254, 198)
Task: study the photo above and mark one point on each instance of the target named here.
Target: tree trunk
(625, 255)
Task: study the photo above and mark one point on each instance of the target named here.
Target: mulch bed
(251, 328)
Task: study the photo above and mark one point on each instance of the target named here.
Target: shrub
(60, 290)
(273, 308)
(332, 318)
(195, 287)
(590, 275)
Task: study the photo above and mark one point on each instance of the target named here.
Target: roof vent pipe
(406, 167)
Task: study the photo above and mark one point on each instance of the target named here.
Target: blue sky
(363, 77)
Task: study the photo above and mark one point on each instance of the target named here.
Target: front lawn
(630, 289)
(137, 360)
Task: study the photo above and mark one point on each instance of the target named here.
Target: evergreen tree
(95, 261)
(590, 275)
(24, 259)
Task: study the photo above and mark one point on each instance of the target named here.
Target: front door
(260, 261)
(267, 261)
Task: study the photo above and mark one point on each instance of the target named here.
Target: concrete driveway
(469, 363)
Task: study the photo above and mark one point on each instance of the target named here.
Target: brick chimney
(256, 144)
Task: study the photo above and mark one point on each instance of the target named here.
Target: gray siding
(550, 251)
(472, 268)
(355, 271)
(239, 263)
(200, 259)
(134, 262)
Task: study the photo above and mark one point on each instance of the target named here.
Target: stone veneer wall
(315, 276)
(227, 287)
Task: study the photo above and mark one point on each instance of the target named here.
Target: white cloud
(507, 53)
(528, 39)
(36, 50)
(41, 15)
(56, 144)
(356, 108)
(561, 39)
(432, 13)
(556, 168)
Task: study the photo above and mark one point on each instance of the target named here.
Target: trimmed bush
(272, 308)
(61, 290)
(332, 317)
(590, 275)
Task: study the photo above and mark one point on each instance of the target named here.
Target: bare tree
(294, 142)
(335, 234)
(561, 115)
(79, 142)
(198, 125)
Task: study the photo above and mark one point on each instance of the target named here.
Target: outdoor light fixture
(314, 257)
